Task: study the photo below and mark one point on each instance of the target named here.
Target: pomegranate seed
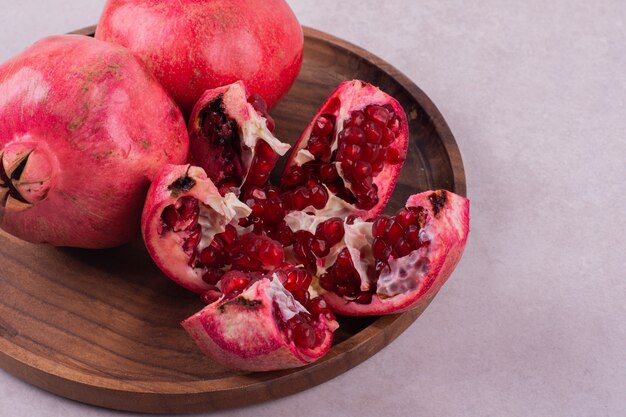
(324, 125)
(402, 248)
(373, 132)
(362, 169)
(394, 125)
(302, 296)
(326, 282)
(209, 256)
(352, 135)
(378, 114)
(271, 253)
(394, 233)
(350, 219)
(364, 297)
(357, 118)
(331, 230)
(274, 210)
(346, 165)
(380, 225)
(328, 173)
(320, 248)
(411, 235)
(193, 238)
(370, 151)
(352, 152)
(405, 217)
(294, 177)
(344, 260)
(211, 295)
(258, 103)
(264, 151)
(318, 197)
(388, 137)
(380, 249)
(257, 207)
(212, 276)
(304, 335)
(300, 198)
(393, 156)
(234, 281)
(182, 215)
(318, 147)
(284, 235)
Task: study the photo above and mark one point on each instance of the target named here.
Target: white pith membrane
(289, 307)
(216, 212)
(250, 124)
(341, 208)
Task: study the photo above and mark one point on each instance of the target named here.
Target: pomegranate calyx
(27, 173)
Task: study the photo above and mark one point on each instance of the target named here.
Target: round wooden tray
(102, 327)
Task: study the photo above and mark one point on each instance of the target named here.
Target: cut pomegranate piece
(348, 159)
(389, 264)
(192, 232)
(231, 138)
(258, 325)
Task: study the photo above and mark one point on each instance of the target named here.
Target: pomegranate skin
(84, 128)
(427, 268)
(243, 333)
(195, 45)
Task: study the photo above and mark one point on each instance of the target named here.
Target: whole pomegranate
(195, 45)
(83, 129)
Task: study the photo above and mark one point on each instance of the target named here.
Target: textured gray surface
(532, 323)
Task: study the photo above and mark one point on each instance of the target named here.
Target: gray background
(532, 323)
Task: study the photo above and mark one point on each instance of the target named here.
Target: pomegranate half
(261, 326)
(83, 129)
(388, 264)
(195, 45)
(354, 148)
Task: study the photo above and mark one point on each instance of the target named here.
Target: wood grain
(102, 327)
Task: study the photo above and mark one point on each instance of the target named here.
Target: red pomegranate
(388, 264)
(351, 152)
(258, 325)
(231, 139)
(84, 128)
(195, 45)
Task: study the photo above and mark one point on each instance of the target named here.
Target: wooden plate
(102, 327)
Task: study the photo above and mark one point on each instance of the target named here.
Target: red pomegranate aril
(380, 249)
(393, 156)
(347, 164)
(411, 235)
(324, 125)
(331, 230)
(294, 177)
(352, 135)
(302, 296)
(318, 147)
(369, 152)
(344, 260)
(209, 256)
(211, 295)
(328, 173)
(352, 152)
(394, 125)
(362, 169)
(318, 306)
(300, 198)
(274, 210)
(380, 226)
(304, 335)
(326, 282)
(272, 254)
(318, 197)
(320, 248)
(388, 137)
(193, 238)
(405, 217)
(369, 199)
(284, 235)
(378, 114)
(357, 118)
(234, 281)
(402, 248)
(373, 132)
(364, 297)
(394, 233)
(212, 276)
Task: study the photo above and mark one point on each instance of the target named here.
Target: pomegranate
(84, 128)
(192, 45)
(258, 325)
(388, 264)
(231, 138)
(348, 159)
